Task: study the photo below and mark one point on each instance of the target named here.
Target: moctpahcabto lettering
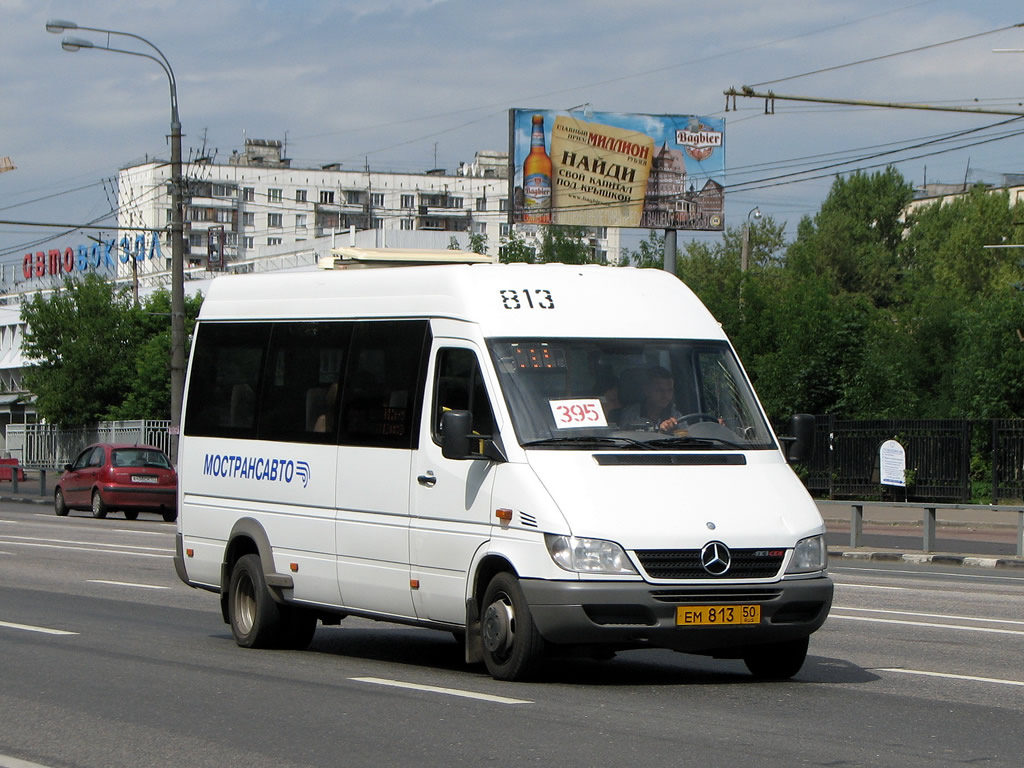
(599, 167)
(56, 262)
(264, 468)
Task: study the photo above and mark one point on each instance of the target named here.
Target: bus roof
(505, 300)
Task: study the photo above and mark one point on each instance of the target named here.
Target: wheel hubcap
(498, 628)
(245, 604)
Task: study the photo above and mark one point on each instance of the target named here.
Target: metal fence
(1007, 459)
(940, 453)
(45, 446)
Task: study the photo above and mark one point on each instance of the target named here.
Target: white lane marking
(170, 553)
(30, 628)
(919, 574)
(125, 584)
(7, 539)
(990, 630)
(445, 691)
(929, 615)
(6, 761)
(950, 676)
(868, 586)
(98, 548)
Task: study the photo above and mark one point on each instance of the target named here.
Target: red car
(131, 478)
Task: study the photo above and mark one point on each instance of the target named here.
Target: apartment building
(257, 204)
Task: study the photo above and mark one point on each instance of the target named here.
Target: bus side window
(459, 385)
(227, 366)
(382, 393)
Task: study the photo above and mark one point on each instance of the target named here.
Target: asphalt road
(108, 661)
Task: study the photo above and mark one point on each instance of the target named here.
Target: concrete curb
(28, 499)
(927, 558)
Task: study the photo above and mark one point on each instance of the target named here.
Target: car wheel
(131, 515)
(59, 506)
(512, 645)
(99, 507)
(256, 620)
(777, 661)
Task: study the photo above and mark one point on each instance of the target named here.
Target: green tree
(566, 245)
(514, 249)
(97, 356)
(81, 341)
(149, 392)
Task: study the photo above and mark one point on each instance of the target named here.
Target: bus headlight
(588, 555)
(809, 555)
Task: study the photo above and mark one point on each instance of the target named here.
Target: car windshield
(139, 457)
(628, 394)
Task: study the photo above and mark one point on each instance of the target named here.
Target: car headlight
(809, 555)
(588, 555)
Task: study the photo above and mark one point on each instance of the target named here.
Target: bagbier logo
(256, 468)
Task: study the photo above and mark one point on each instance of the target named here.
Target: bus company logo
(699, 140)
(256, 468)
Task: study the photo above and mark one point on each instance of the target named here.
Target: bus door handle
(428, 480)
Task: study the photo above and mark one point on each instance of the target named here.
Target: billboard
(610, 169)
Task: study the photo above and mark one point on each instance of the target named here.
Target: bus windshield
(642, 394)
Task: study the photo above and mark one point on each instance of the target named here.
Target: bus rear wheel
(254, 616)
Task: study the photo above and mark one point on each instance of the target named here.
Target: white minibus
(541, 459)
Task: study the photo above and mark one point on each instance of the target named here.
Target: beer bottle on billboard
(537, 178)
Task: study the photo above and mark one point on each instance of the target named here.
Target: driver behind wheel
(657, 409)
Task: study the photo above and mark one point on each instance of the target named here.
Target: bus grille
(684, 564)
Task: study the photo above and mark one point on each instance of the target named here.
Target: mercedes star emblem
(715, 558)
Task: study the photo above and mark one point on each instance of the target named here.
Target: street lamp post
(745, 243)
(177, 227)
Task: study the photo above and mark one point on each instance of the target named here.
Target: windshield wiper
(580, 440)
(695, 442)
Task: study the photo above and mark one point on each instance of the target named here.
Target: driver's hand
(668, 424)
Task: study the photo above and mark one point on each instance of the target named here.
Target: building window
(300, 221)
(274, 241)
(327, 196)
(480, 227)
(353, 197)
(503, 204)
(377, 199)
(249, 219)
(274, 219)
(222, 190)
(248, 194)
(300, 195)
(481, 203)
(407, 224)
(408, 201)
(504, 229)
(456, 202)
(250, 243)
(195, 239)
(274, 195)
(170, 215)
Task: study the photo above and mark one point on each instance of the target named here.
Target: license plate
(717, 615)
(145, 479)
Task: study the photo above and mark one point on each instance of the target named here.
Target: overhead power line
(888, 55)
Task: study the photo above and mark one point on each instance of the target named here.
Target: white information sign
(892, 464)
(575, 414)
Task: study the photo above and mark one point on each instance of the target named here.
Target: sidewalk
(975, 538)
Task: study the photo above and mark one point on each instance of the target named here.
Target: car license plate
(717, 615)
(144, 479)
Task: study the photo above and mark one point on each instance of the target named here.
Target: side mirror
(456, 430)
(801, 446)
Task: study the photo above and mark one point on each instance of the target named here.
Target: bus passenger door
(376, 437)
(451, 499)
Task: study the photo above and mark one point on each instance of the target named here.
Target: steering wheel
(697, 417)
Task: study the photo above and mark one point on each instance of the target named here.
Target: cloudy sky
(408, 85)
